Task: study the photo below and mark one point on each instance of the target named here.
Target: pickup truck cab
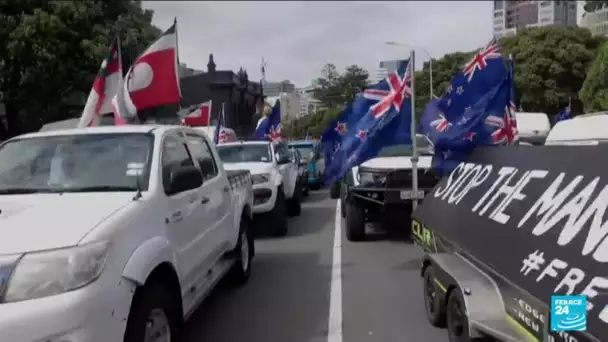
(381, 188)
(276, 191)
(116, 233)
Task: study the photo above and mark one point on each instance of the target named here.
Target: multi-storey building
(276, 88)
(595, 18)
(509, 16)
(384, 68)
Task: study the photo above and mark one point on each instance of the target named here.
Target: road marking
(334, 329)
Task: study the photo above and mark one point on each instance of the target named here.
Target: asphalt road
(376, 293)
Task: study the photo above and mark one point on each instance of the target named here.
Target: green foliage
(51, 51)
(592, 6)
(594, 93)
(551, 64)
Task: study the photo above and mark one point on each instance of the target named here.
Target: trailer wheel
(457, 318)
(435, 308)
(355, 222)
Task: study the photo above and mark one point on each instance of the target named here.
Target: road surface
(375, 295)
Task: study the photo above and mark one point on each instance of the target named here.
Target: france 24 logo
(568, 313)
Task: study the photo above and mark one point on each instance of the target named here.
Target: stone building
(241, 98)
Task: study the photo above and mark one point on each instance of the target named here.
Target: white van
(533, 127)
(588, 130)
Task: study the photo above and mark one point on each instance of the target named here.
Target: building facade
(596, 20)
(276, 88)
(384, 68)
(240, 97)
(308, 103)
(509, 16)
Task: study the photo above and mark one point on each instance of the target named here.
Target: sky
(297, 38)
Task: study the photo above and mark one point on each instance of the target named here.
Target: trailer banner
(534, 214)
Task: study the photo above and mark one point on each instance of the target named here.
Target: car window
(281, 150)
(201, 152)
(175, 155)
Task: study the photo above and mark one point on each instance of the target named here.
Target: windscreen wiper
(18, 191)
(98, 188)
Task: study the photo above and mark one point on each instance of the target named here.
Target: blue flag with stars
(477, 109)
(489, 122)
(484, 71)
(372, 121)
(270, 127)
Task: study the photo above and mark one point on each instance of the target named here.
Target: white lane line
(334, 330)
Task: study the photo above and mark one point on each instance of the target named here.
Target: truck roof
(160, 129)
(248, 142)
(593, 127)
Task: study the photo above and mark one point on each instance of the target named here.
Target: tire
(355, 222)
(435, 308)
(294, 204)
(152, 300)
(343, 192)
(455, 334)
(241, 269)
(278, 215)
(334, 191)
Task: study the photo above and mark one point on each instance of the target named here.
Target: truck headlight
(260, 178)
(368, 178)
(48, 273)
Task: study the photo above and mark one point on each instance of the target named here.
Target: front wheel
(154, 316)
(294, 204)
(278, 215)
(355, 222)
(334, 191)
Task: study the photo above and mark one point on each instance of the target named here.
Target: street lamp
(430, 63)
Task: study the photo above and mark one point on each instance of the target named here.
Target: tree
(51, 51)
(328, 87)
(594, 93)
(352, 82)
(592, 6)
(551, 64)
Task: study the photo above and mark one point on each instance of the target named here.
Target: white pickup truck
(276, 189)
(116, 233)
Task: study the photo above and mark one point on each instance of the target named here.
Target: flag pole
(413, 129)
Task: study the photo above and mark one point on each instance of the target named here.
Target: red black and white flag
(200, 116)
(153, 79)
(105, 87)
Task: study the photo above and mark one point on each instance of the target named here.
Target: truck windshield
(76, 163)
(245, 153)
(306, 150)
(422, 144)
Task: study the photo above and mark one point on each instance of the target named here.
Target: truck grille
(403, 179)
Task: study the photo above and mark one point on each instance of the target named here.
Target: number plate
(409, 194)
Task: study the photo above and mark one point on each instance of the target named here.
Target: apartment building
(509, 16)
(308, 103)
(275, 88)
(384, 68)
(595, 19)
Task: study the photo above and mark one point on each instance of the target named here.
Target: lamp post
(430, 62)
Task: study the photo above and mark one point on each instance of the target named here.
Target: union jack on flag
(399, 90)
(275, 133)
(480, 60)
(505, 130)
(442, 124)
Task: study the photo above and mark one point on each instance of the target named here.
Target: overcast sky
(298, 38)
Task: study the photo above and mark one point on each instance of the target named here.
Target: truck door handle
(204, 200)
(174, 217)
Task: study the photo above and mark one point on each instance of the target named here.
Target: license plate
(409, 194)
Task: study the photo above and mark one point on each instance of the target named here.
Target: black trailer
(506, 234)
